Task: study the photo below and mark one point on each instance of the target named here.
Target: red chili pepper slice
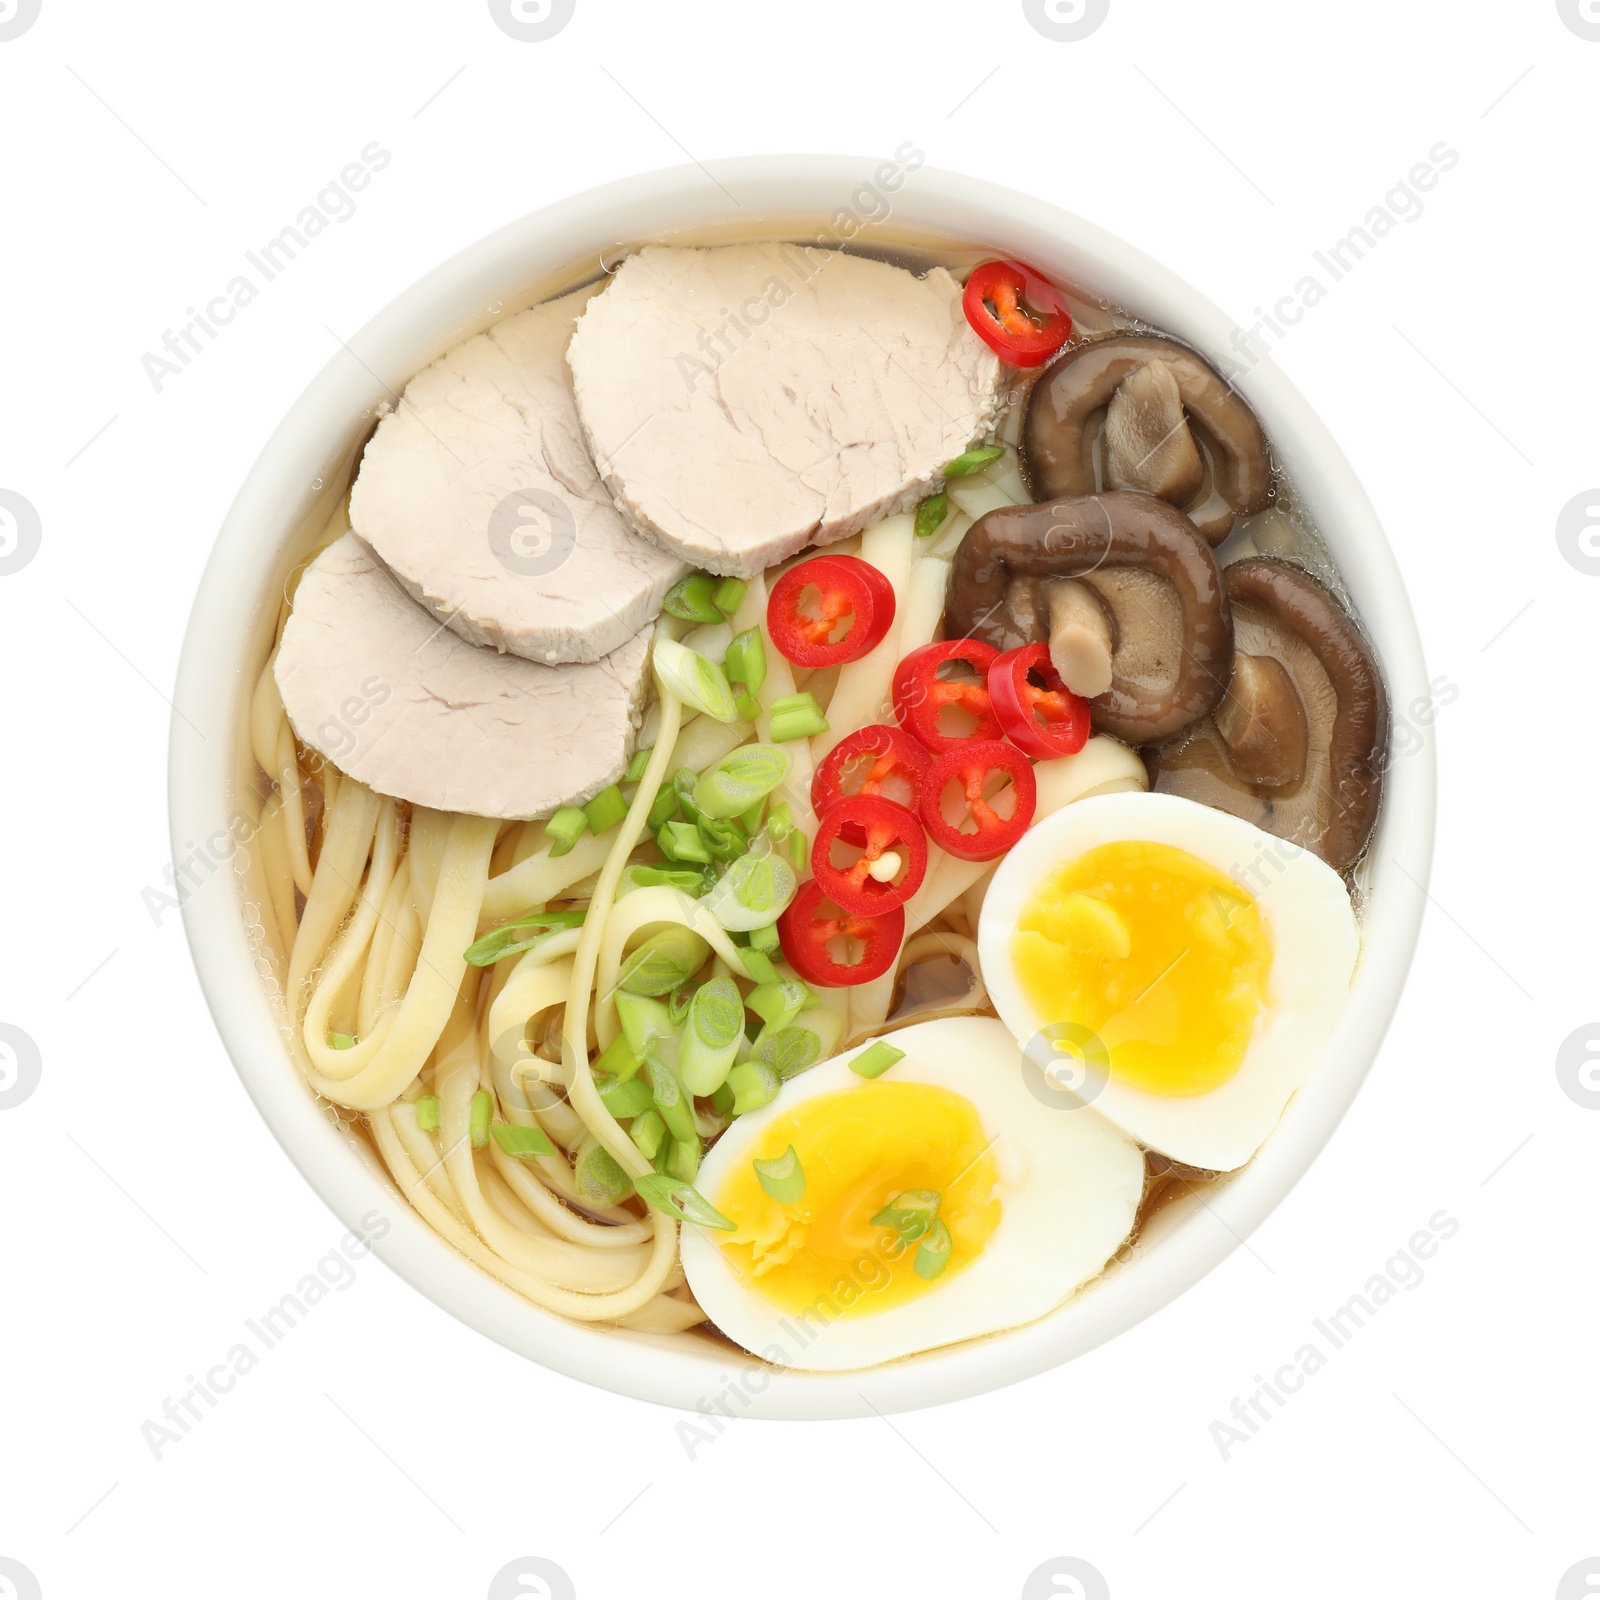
(1022, 317)
(811, 923)
(1039, 713)
(886, 829)
(920, 694)
(885, 758)
(847, 587)
(972, 765)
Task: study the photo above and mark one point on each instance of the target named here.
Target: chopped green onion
(747, 705)
(797, 716)
(753, 893)
(678, 1003)
(933, 1254)
(606, 810)
(428, 1112)
(971, 461)
(478, 1122)
(663, 962)
(750, 820)
(683, 782)
(598, 1178)
(780, 1002)
(690, 599)
(746, 661)
(681, 841)
(711, 1035)
(743, 777)
(694, 680)
(641, 760)
(681, 1201)
(501, 942)
(624, 1097)
(876, 1059)
(765, 940)
(688, 879)
(643, 1022)
(662, 807)
(724, 840)
(728, 595)
(783, 1178)
(565, 828)
(341, 1041)
(788, 1051)
(522, 1142)
(648, 1132)
(931, 514)
(683, 1160)
(757, 968)
(910, 1214)
(754, 1084)
(619, 1060)
(780, 824)
(722, 1100)
(670, 1100)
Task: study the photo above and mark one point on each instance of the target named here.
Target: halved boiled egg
(1174, 966)
(876, 1217)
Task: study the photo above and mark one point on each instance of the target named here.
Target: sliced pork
(746, 401)
(480, 495)
(391, 697)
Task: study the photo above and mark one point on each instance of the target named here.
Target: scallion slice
(599, 1180)
(663, 962)
(931, 515)
(728, 595)
(783, 1178)
(664, 806)
(521, 1142)
(757, 968)
(565, 828)
(911, 1214)
(681, 1200)
(624, 1097)
(478, 1121)
(670, 1100)
(970, 461)
(694, 680)
(606, 810)
(501, 942)
(746, 660)
(683, 1159)
(711, 1035)
(428, 1113)
(648, 1132)
(780, 1002)
(691, 599)
(933, 1254)
(876, 1059)
(753, 893)
(797, 716)
(341, 1041)
(641, 760)
(743, 777)
(754, 1084)
(765, 940)
(643, 1022)
(681, 841)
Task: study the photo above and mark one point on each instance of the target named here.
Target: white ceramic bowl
(306, 461)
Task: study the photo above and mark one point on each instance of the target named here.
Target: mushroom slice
(1081, 646)
(1296, 745)
(1192, 440)
(1153, 579)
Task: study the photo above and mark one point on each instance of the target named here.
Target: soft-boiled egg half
(1173, 966)
(878, 1216)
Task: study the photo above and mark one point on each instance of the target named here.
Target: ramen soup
(810, 791)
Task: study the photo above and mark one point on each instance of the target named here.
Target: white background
(384, 1449)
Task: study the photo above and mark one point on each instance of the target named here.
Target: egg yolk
(1157, 953)
(859, 1149)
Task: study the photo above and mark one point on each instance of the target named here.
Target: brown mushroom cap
(1144, 564)
(1296, 745)
(1138, 412)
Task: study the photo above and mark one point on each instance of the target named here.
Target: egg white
(1069, 1186)
(1315, 940)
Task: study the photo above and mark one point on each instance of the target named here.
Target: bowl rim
(699, 1375)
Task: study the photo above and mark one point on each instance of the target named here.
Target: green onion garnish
(728, 595)
(681, 841)
(648, 1132)
(688, 879)
(970, 461)
(522, 1142)
(797, 716)
(933, 1254)
(619, 1061)
(624, 1097)
(428, 1112)
(663, 962)
(799, 848)
(711, 1035)
(478, 1124)
(724, 840)
(788, 1051)
(341, 1041)
(670, 1100)
(876, 1059)
(722, 1100)
(746, 661)
(680, 1200)
(691, 599)
(599, 1180)
(753, 893)
(664, 805)
(910, 1214)
(741, 779)
(606, 810)
(683, 1159)
(780, 824)
(782, 1177)
(565, 828)
(641, 760)
(754, 1084)
(643, 1022)
(501, 942)
(765, 940)
(780, 1002)
(757, 968)
(931, 514)
(695, 680)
